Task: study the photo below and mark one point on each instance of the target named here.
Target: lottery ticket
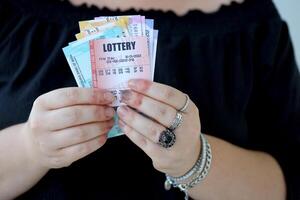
(78, 57)
(155, 40)
(115, 61)
(135, 23)
(87, 24)
(92, 28)
(109, 51)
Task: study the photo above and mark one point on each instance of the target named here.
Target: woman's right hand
(67, 124)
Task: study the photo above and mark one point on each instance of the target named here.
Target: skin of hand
(159, 104)
(151, 107)
(68, 124)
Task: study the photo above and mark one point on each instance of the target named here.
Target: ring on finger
(186, 104)
(167, 138)
(176, 122)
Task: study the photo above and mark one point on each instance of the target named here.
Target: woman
(235, 63)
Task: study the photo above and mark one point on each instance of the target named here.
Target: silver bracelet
(197, 174)
(197, 167)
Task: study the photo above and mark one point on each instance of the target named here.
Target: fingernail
(132, 83)
(112, 123)
(121, 124)
(109, 125)
(102, 139)
(126, 95)
(122, 110)
(109, 96)
(139, 84)
(109, 112)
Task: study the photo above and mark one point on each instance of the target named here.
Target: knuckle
(73, 115)
(162, 111)
(154, 132)
(93, 95)
(67, 163)
(38, 101)
(168, 93)
(34, 123)
(72, 95)
(137, 99)
(96, 96)
(142, 142)
(79, 134)
(98, 112)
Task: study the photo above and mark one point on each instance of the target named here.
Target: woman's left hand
(160, 103)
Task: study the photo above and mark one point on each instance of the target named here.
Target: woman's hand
(68, 124)
(160, 103)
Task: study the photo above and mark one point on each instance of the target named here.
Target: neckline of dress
(152, 10)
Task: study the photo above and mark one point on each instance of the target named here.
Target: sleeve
(274, 110)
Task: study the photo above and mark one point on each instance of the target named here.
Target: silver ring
(167, 139)
(187, 102)
(176, 122)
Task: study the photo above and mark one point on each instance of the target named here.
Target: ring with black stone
(167, 139)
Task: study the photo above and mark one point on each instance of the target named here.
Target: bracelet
(198, 172)
(199, 166)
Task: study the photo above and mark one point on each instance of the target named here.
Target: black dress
(237, 65)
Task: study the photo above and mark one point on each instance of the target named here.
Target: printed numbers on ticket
(115, 61)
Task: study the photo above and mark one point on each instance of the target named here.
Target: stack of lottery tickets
(111, 50)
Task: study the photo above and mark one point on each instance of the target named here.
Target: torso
(209, 57)
(178, 6)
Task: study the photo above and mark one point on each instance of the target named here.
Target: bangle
(198, 172)
(199, 166)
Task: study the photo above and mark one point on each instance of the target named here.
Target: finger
(150, 148)
(68, 155)
(79, 134)
(140, 123)
(157, 110)
(160, 92)
(77, 115)
(74, 96)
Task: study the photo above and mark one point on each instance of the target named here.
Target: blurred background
(290, 11)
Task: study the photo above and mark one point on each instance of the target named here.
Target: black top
(237, 65)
